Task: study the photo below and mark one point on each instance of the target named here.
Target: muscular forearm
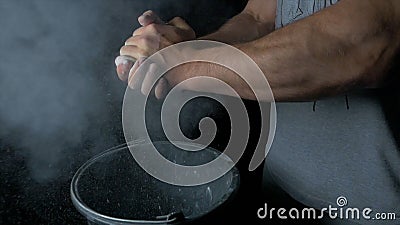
(351, 44)
(241, 28)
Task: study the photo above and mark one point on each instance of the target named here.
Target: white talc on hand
(124, 59)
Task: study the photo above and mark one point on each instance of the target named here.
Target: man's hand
(153, 36)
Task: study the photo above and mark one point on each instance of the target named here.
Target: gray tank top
(289, 11)
(340, 146)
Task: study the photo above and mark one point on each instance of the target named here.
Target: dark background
(60, 99)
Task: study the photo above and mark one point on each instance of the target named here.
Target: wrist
(189, 70)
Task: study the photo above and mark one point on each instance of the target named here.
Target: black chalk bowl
(112, 188)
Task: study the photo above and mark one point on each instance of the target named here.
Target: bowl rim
(92, 215)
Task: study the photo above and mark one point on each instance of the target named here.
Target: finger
(160, 31)
(149, 17)
(180, 23)
(168, 32)
(133, 51)
(149, 79)
(151, 29)
(162, 88)
(138, 31)
(135, 79)
(124, 64)
(149, 43)
(173, 30)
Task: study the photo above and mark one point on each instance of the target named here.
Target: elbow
(371, 61)
(363, 63)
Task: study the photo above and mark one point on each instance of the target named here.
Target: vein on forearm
(345, 46)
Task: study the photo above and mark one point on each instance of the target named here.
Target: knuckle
(177, 19)
(137, 31)
(152, 28)
(124, 50)
(149, 12)
(144, 40)
(129, 41)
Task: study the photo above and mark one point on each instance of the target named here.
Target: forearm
(241, 28)
(351, 44)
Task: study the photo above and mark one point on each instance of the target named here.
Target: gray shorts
(337, 147)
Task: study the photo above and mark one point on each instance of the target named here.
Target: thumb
(162, 88)
(149, 17)
(180, 23)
